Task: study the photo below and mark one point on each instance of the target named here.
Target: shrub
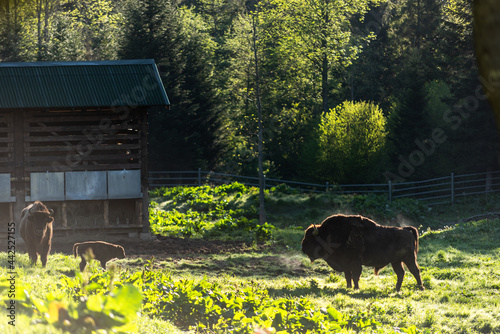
(352, 141)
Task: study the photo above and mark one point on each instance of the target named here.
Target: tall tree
(262, 181)
(312, 38)
(11, 13)
(184, 137)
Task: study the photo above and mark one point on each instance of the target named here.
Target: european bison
(36, 231)
(348, 242)
(101, 250)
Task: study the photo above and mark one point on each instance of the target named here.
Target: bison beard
(36, 231)
(348, 242)
(101, 250)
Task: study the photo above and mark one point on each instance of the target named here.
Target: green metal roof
(81, 84)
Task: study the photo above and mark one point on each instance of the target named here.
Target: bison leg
(356, 274)
(33, 255)
(348, 279)
(44, 254)
(415, 270)
(103, 264)
(83, 264)
(400, 272)
(43, 258)
(353, 276)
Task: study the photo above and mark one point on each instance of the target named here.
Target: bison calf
(36, 231)
(348, 242)
(102, 251)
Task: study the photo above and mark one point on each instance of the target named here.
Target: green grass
(460, 266)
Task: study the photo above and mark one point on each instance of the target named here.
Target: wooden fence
(432, 192)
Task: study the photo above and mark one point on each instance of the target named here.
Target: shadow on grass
(242, 265)
(316, 291)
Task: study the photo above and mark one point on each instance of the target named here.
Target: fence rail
(432, 192)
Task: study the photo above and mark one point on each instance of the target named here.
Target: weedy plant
(90, 308)
(208, 212)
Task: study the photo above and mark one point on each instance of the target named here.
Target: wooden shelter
(74, 135)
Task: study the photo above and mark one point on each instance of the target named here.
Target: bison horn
(316, 231)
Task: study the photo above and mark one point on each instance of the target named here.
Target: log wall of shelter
(6, 141)
(6, 166)
(62, 141)
(92, 140)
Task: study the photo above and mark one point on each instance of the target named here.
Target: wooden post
(138, 212)
(18, 179)
(452, 180)
(143, 218)
(106, 212)
(64, 215)
(390, 192)
(11, 213)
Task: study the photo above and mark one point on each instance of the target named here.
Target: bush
(352, 142)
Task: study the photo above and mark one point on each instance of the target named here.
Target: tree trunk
(324, 64)
(324, 84)
(262, 181)
(39, 29)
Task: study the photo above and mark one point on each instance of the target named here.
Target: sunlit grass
(460, 266)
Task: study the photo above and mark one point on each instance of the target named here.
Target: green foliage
(307, 41)
(208, 212)
(88, 309)
(53, 31)
(378, 206)
(274, 289)
(230, 211)
(409, 207)
(207, 307)
(178, 40)
(352, 139)
(283, 189)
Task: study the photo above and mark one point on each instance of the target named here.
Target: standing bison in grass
(100, 250)
(348, 242)
(36, 231)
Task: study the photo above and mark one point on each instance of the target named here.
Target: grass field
(271, 287)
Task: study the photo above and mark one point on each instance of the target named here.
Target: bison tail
(415, 234)
(75, 250)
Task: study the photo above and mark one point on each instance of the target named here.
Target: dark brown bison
(36, 231)
(101, 251)
(348, 242)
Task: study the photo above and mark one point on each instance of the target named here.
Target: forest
(351, 91)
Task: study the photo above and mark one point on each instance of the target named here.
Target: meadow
(269, 286)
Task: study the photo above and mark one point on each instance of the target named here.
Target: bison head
(40, 215)
(119, 252)
(318, 244)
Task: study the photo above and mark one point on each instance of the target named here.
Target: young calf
(101, 250)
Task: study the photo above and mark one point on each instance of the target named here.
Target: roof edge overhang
(162, 99)
(89, 108)
(80, 63)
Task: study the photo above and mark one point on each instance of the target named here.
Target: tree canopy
(350, 90)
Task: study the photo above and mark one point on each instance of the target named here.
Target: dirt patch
(160, 246)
